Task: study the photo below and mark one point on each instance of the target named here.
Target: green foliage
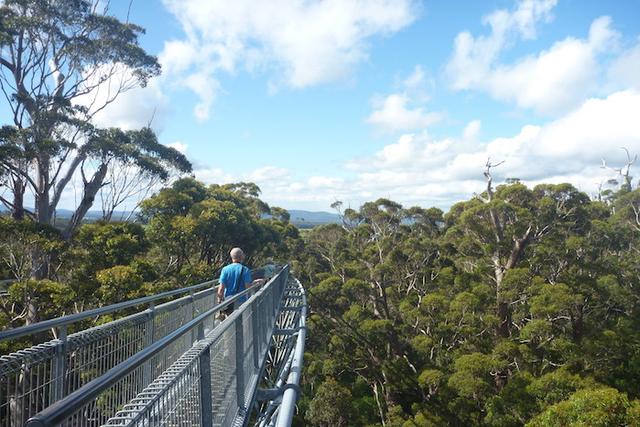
(21, 244)
(136, 147)
(510, 304)
(472, 377)
(518, 307)
(192, 227)
(118, 283)
(52, 298)
(331, 406)
(98, 247)
(603, 407)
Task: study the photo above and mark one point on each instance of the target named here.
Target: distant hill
(92, 215)
(307, 219)
(299, 218)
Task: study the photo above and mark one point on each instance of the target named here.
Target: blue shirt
(230, 278)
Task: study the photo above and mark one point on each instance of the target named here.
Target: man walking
(234, 278)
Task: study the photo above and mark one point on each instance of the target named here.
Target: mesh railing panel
(223, 377)
(34, 378)
(26, 379)
(175, 405)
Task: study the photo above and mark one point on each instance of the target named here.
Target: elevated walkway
(173, 363)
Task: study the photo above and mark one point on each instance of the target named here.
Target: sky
(352, 100)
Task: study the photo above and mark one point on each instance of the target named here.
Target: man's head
(237, 255)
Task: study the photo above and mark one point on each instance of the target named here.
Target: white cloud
(177, 56)
(213, 176)
(473, 57)
(180, 146)
(405, 110)
(472, 130)
(556, 79)
(206, 87)
(525, 17)
(303, 43)
(267, 174)
(550, 82)
(625, 70)
(394, 114)
(416, 79)
(419, 169)
(592, 132)
(323, 182)
(134, 107)
(280, 188)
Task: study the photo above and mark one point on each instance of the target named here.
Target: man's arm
(257, 282)
(249, 282)
(223, 278)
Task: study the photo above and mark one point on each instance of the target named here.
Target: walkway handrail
(290, 395)
(72, 318)
(62, 409)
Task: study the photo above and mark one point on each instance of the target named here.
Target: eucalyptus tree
(140, 148)
(493, 232)
(61, 62)
(373, 272)
(193, 227)
(602, 406)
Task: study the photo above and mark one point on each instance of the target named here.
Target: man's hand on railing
(257, 282)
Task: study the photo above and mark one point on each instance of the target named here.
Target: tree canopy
(516, 307)
(61, 62)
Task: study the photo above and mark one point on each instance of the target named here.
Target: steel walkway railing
(276, 402)
(33, 378)
(157, 366)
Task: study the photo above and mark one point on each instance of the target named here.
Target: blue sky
(317, 101)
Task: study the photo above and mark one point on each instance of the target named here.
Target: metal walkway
(172, 364)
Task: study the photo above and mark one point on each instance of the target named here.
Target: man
(234, 278)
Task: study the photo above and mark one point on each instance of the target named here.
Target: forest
(518, 306)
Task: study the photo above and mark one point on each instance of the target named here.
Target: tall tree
(52, 54)
(193, 226)
(493, 232)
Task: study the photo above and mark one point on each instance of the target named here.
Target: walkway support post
(240, 383)
(59, 365)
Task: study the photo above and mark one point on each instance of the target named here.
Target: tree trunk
(504, 317)
(390, 398)
(374, 299)
(502, 307)
(18, 200)
(577, 324)
(376, 394)
(91, 188)
(62, 183)
(32, 313)
(43, 213)
(39, 262)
